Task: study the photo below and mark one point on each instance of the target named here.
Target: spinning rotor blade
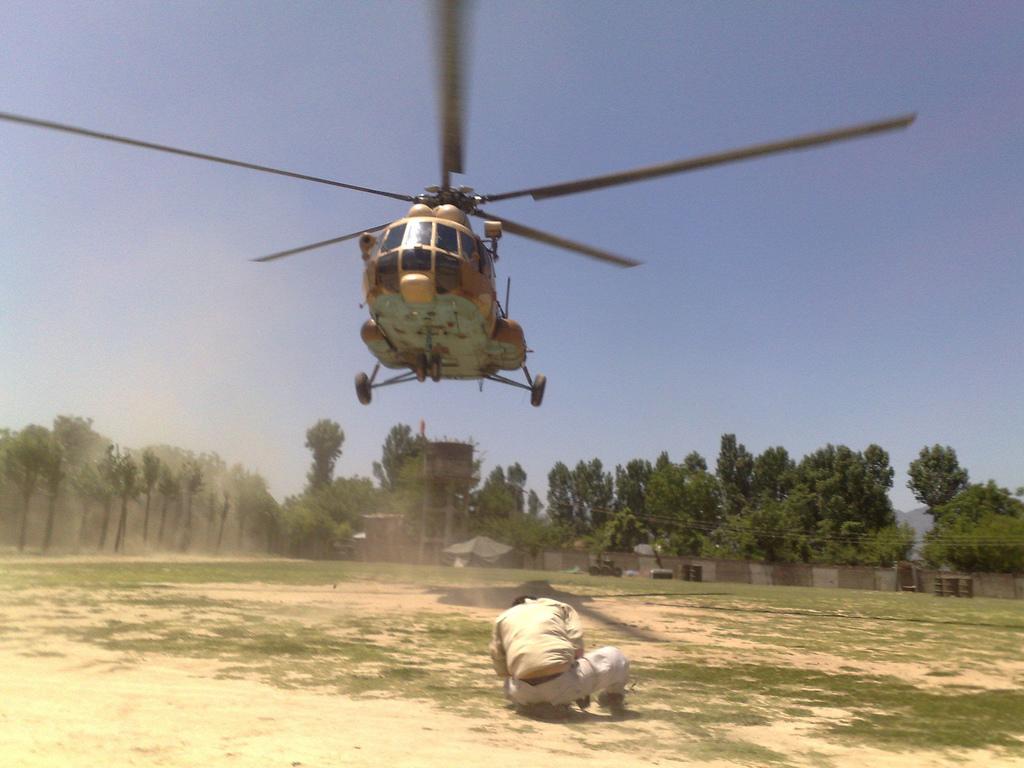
(321, 244)
(560, 242)
(450, 19)
(188, 153)
(705, 161)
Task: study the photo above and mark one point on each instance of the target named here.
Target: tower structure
(448, 472)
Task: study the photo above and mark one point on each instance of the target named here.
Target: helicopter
(429, 280)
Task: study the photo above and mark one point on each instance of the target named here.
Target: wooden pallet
(954, 586)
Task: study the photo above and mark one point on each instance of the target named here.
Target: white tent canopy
(479, 549)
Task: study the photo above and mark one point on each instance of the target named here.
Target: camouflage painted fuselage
(430, 288)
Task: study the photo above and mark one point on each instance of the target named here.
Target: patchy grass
(880, 711)
(692, 698)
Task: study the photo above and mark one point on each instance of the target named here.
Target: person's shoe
(613, 702)
(583, 703)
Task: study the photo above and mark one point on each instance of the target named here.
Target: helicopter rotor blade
(706, 161)
(559, 242)
(188, 153)
(321, 244)
(450, 21)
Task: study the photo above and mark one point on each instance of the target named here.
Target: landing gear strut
(424, 367)
(535, 386)
(432, 368)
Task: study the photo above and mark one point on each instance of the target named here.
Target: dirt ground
(69, 703)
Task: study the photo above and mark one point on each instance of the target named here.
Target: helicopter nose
(417, 288)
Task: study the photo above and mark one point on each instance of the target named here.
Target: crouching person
(537, 647)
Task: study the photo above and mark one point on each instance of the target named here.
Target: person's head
(522, 599)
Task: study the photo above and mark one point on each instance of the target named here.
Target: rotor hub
(463, 198)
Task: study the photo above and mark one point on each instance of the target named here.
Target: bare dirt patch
(364, 672)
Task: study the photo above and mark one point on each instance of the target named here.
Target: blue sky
(866, 292)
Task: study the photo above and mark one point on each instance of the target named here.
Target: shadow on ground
(551, 713)
(500, 598)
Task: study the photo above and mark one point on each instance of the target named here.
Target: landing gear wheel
(537, 390)
(421, 369)
(435, 369)
(363, 389)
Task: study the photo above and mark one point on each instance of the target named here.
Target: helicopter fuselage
(430, 288)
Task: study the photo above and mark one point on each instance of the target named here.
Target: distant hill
(920, 521)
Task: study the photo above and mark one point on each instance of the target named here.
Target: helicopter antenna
(508, 290)
(450, 19)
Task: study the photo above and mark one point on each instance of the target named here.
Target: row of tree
(91, 495)
(832, 506)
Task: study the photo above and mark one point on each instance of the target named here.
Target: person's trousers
(603, 669)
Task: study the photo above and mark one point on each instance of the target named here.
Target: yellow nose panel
(417, 289)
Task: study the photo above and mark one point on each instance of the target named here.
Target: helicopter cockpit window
(387, 271)
(393, 239)
(419, 233)
(416, 260)
(447, 271)
(447, 238)
(468, 246)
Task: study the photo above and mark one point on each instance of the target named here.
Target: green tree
(150, 477)
(53, 473)
(622, 531)
(169, 487)
(225, 508)
(320, 520)
(936, 476)
(560, 505)
(889, 545)
(5, 439)
(533, 504)
(992, 544)
(581, 499)
(767, 532)
(841, 542)
(516, 480)
(80, 442)
(694, 462)
(631, 486)
(324, 439)
(662, 461)
(25, 459)
(82, 447)
(255, 509)
(977, 500)
(125, 477)
(735, 469)
(496, 498)
(980, 529)
(848, 486)
(400, 447)
(192, 482)
(684, 507)
(593, 492)
(105, 490)
(773, 475)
